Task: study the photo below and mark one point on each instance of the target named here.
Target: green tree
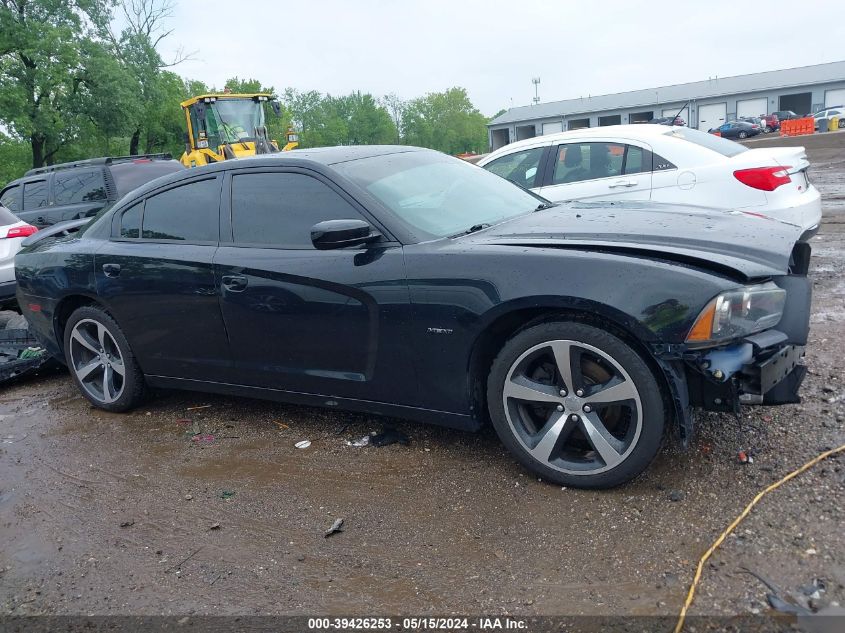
(43, 47)
(446, 121)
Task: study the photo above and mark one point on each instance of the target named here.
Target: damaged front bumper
(764, 368)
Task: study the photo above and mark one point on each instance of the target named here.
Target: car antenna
(681, 110)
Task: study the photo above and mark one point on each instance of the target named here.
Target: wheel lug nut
(587, 408)
(579, 392)
(573, 417)
(563, 392)
(560, 407)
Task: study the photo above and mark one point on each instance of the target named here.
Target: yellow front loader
(226, 125)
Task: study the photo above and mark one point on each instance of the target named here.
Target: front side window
(79, 186)
(588, 161)
(187, 213)
(34, 195)
(279, 209)
(437, 195)
(9, 198)
(520, 167)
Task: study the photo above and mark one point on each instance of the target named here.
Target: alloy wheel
(573, 407)
(96, 361)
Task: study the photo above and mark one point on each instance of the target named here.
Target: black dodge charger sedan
(403, 282)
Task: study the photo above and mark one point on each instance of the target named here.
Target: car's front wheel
(576, 405)
(101, 361)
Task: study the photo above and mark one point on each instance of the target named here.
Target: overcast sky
(494, 47)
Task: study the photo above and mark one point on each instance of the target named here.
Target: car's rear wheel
(743, 134)
(101, 361)
(576, 405)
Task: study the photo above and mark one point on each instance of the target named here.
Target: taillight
(764, 178)
(21, 231)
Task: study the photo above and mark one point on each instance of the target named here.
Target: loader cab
(225, 126)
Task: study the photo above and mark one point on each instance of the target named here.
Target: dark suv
(69, 191)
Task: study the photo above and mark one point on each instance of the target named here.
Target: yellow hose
(691, 594)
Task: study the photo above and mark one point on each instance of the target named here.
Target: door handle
(111, 270)
(235, 283)
(622, 183)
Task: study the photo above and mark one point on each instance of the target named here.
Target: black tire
(132, 387)
(637, 432)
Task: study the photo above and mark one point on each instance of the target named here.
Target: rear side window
(187, 213)
(34, 195)
(130, 221)
(79, 186)
(279, 209)
(9, 199)
(129, 176)
(520, 167)
(577, 162)
(716, 143)
(634, 160)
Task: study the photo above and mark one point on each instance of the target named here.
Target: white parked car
(663, 164)
(829, 114)
(12, 232)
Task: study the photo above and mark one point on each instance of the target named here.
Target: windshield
(439, 195)
(232, 120)
(716, 143)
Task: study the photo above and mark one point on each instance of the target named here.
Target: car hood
(746, 244)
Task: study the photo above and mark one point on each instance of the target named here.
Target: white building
(702, 104)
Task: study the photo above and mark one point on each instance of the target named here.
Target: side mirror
(342, 233)
(277, 107)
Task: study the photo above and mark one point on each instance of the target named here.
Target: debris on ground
(20, 353)
(778, 599)
(336, 527)
(126, 524)
(303, 444)
(282, 426)
(214, 526)
(364, 441)
(227, 494)
(676, 495)
(200, 406)
(203, 437)
(390, 436)
(744, 457)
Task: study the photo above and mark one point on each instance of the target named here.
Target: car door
(155, 275)
(329, 322)
(597, 170)
(728, 130)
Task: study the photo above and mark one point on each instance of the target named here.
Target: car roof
(295, 158)
(631, 131)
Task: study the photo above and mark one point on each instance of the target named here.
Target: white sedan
(663, 164)
(12, 232)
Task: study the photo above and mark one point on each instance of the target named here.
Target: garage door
(713, 115)
(552, 128)
(834, 98)
(673, 111)
(751, 107)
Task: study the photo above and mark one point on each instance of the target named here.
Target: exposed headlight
(738, 313)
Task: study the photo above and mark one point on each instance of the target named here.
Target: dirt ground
(130, 514)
